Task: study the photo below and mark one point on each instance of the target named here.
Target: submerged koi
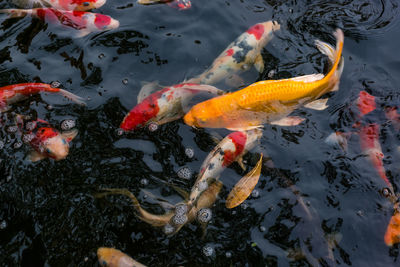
(369, 141)
(393, 115)
(240, 55)
(231, 148)
(172, 221)
(179, 4)
(392, 235)
(111, 257)
(164, 105)
(83, 22)
(11, 94)
(270, 101)
(72, 5)
(46, 141)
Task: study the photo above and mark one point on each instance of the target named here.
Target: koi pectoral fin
(338, 138)
(242, 190)
(259, 63)
(288, 121)
(35, 156)
(147, 89)
(81, 33)
(319, 104)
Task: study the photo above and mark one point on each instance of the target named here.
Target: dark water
(48, 212)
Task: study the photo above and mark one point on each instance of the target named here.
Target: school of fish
(244, 112)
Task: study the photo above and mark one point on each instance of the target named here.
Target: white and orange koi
(81, 21)
(11, 94)
(240, 55)
(165, 105)
(232, 148)
(270, 101)
(72, 5)
(111, 257)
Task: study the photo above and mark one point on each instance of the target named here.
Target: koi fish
(46, 141)
(242, 190)
(179, 4)
(232, 148)
(164, 105)
(111, 257)
(270, 101)
(392, 235)
(72, 5)
(11, 94)
(83, 22)
(240, 55)
(169, 220)
(369, 141)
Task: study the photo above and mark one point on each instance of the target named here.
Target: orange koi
(271, 101)
(13, 93)
(111, 257)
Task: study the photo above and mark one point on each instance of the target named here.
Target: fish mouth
(188, 119)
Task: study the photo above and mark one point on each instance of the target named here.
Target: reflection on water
(316, 204)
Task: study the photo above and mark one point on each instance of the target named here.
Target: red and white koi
(165, 105)
(81, 21)
(232, 148)
(240, 55)
(73, 5)
(179, 4)
(46, 141)
(11, 94)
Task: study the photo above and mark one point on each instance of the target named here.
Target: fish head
(84, 5)
(263, 31)
(203, 115)
(141, 114)
(104, 22)
(108, 256)
(56, 146)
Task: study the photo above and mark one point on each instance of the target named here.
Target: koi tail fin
(77, 99)
(335, 56)
(16, 13)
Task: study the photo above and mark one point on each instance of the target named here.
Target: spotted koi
(72, 5)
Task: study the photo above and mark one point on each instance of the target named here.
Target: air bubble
(17, 145)
(26, 138)
(179, 219)
(189, 152)
(255, 193)
(271, 73)
(204, 215)
(120, 132)
(360, 213)
(184, 173)
(262, 229)
(208, 250)
(228, 254)
(55, 84)
(152, 127)
(144, 181)
(168, 229)
(3, 225)
(181, 209)
(244, 206)
(101, 56)
(125, 81)
(67, 124)
(12, 129)
(49, 107)
(30, 125)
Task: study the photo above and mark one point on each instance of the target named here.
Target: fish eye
(48, 151)
(64, 142)
(104, 27)
(86, 4)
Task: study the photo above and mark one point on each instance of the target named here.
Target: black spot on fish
(211, 166)
(241, 54)
(221, 152)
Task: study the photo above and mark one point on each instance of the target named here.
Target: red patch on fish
(257, 30)
(369, 139)
(181, 4)
(42, 134)
(393, 116)
(143, 112)
(102, 21)
(366, 103)
(230, 52)
(239, 140)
